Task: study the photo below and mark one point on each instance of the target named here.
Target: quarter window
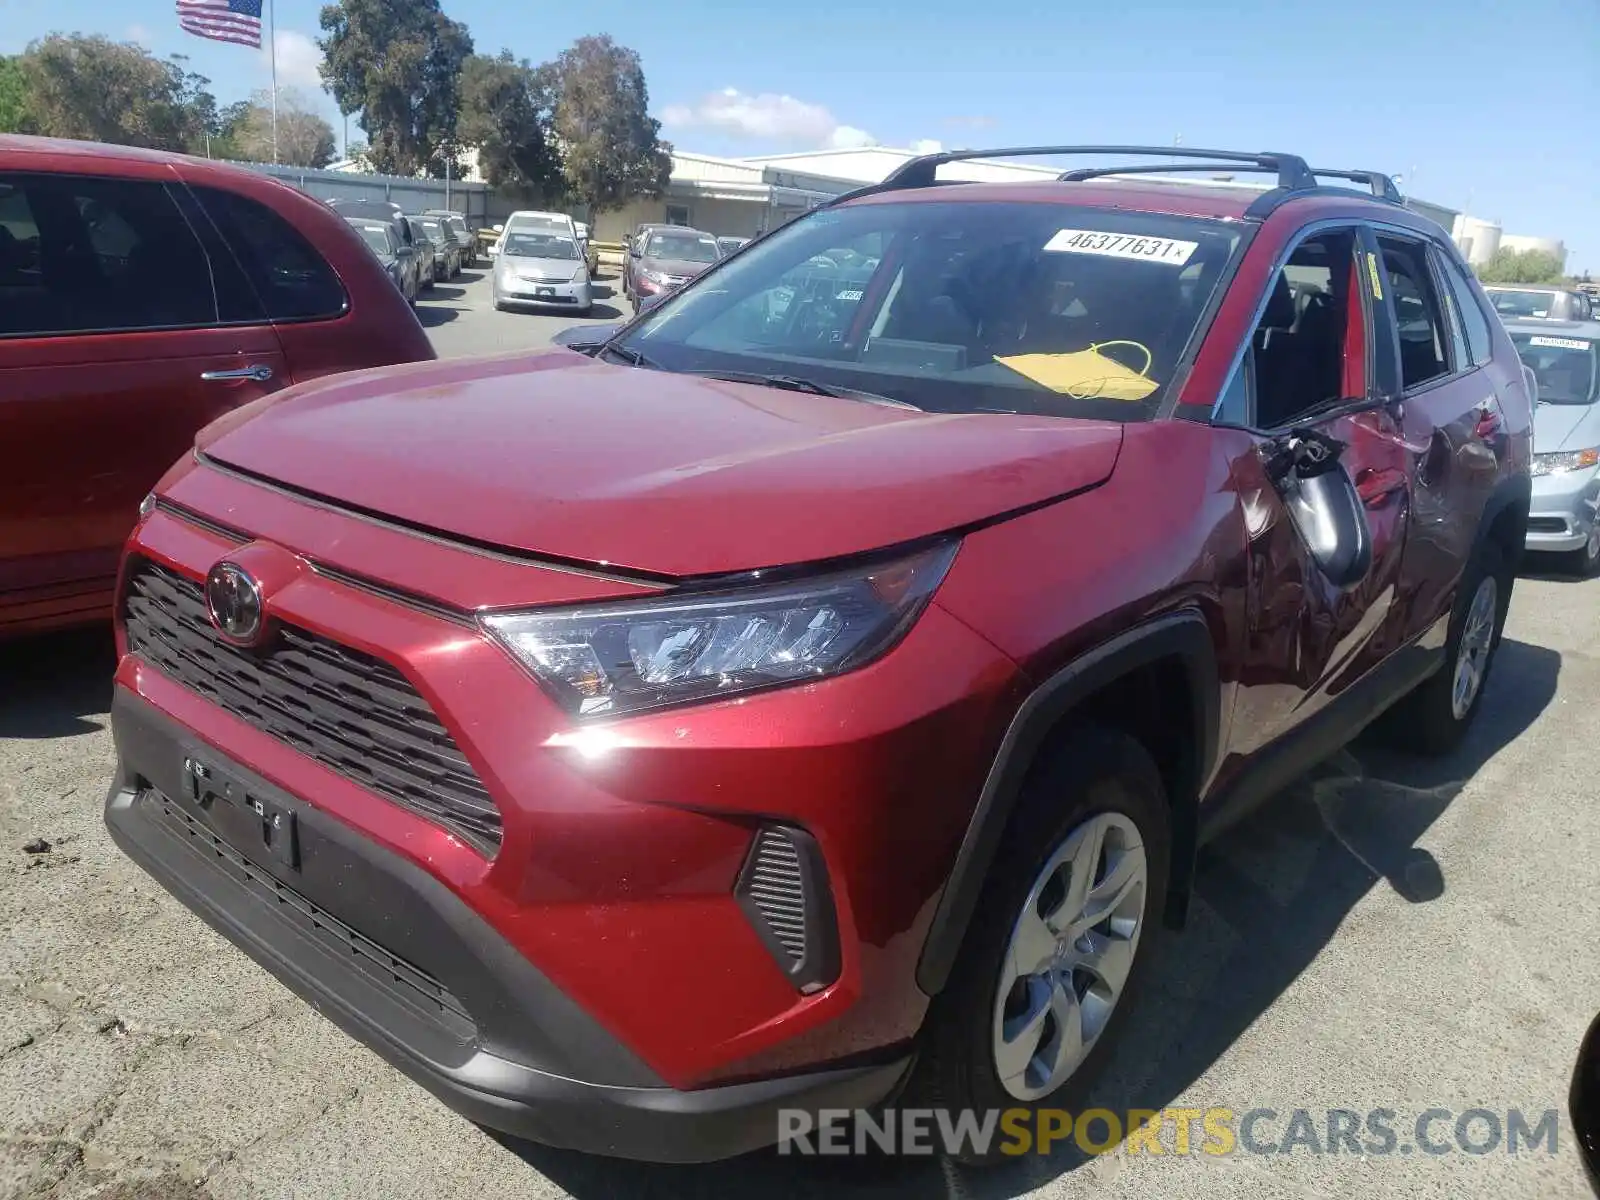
(290, 278)
(1480, 344)
(95, 255)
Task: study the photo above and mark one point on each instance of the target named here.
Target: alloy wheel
(1069, 956)
(1472, 654)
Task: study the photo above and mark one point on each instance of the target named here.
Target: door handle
(259, 372)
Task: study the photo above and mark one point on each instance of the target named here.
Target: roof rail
(1382, 186)
(1291, 169)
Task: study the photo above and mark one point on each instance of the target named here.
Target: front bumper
(533, 292)
(395, 959)
(1563, 510)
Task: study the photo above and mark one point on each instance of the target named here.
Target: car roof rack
(1382, 187)
(1291, 169)
(1295, 175)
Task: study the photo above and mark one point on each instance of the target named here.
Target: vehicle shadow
(1270, 894)
(1546, 568)
(470, 275)
(444, 291)
(430, 318)
(55, 684)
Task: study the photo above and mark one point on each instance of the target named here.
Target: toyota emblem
(233, 599)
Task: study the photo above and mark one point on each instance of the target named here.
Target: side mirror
(405, 251)
(499, 228)
(1323, 504)
(1583, 1104)
(635, 252)
(1532, 381)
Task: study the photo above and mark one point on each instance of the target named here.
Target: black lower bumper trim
(514, 1016)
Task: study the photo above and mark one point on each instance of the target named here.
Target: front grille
(348, 710)
(407, 982)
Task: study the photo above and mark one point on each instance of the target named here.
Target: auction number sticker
(1168, 251)
(1559, 343)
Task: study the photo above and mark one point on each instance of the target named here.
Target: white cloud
(927, 146)
(298, 60)
(767, 116)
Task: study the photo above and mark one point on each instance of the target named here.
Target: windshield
(682, 247)
(1565, 367)
(1523, 304)
(540, 245)
(377, 237)
(559, 223)
(432, 228)
(957, 307)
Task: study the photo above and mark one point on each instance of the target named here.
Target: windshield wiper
(629, 355)
(794, 383)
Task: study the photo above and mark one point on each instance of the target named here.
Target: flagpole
(272, 34)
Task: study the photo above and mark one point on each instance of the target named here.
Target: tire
(1096, 779)
(1584, 563)
(1430, 721)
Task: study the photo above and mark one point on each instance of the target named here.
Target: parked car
(1526, 301)
(447, 254)
(380, 239)
(1565, 515)
(663, 260)
(541, 269)
(819, 692)
(637, 240)
(456, 225)
(142, 296)
(727, 245)
(430, 265)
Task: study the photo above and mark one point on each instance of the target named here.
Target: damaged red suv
(816, 692)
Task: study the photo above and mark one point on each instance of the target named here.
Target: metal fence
(474, 201)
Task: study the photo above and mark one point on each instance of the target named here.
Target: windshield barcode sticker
(1167, 251)
(1559, 343)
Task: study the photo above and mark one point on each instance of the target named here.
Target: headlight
(1564, 461)
(580, 275)
(655, 276)
(624, 658)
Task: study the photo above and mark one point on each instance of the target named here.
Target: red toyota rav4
(820, 688)
(143, 294)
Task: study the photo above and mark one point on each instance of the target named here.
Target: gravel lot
(1389, 934)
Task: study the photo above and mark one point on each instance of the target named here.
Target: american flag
(223, 20)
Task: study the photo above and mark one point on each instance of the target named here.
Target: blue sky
(1485, 104)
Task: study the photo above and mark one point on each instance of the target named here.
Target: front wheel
(1585, 561)
(1058, 941)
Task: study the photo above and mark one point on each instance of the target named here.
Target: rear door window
(97, 255)
(1420, 319)
(285, 271)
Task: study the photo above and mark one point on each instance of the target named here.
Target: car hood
(1565, 427)
(549, 268)
(561, 456)
(682, 267)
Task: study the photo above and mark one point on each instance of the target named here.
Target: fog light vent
(783, 889)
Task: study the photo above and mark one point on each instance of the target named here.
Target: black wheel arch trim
(1183, 634)
(1514, 490)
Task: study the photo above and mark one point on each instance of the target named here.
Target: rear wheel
(1434, 718)
(1057, 944)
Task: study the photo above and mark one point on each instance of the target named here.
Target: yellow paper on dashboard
(1086, 374)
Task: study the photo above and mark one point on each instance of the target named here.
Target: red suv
(818, 690)
(141, 295)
